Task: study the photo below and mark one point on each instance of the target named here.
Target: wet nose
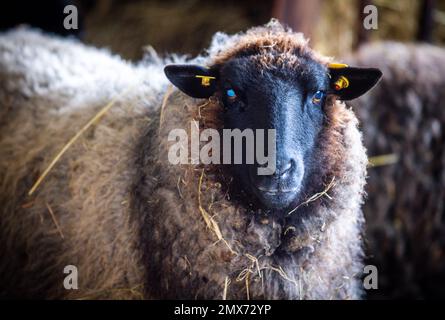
(284, 168)
(286, 177)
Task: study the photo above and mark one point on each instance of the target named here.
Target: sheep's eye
(317, 97)
(231, 94)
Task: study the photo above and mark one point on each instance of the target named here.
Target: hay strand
(247, 287)
(226, 287)
(53, 217)
(210, 222)
(164, 103)
(316, 196)
(96, 118)
(383, 160)
(283, 274)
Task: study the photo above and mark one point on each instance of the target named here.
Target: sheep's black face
(288, 101)
(285, 97)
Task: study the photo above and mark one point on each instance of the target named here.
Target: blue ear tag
(231, 93)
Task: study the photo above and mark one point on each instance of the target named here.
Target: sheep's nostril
(285, 169)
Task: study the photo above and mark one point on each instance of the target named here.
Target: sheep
(404, 116)
(136, 225)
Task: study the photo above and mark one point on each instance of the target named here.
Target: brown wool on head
(271, 46)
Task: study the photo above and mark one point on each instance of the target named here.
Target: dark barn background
(406, 232)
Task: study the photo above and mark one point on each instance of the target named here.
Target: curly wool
(137, 226)
(404, 116)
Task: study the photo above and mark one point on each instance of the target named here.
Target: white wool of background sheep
(54, 74)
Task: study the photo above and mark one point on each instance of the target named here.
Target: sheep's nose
(284, 168)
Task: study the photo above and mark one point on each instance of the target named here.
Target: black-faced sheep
(136, 225)
(404, 116)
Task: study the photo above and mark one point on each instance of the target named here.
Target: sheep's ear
(349, 83)
(194, 80)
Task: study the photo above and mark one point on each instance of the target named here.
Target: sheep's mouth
(276, 196)
(275, 191)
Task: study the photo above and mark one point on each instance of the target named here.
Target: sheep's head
(270, 79)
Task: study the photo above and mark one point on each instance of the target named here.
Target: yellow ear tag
(341, 83)
(205, 80)
(337, 65)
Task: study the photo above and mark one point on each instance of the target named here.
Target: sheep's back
(50, 88)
